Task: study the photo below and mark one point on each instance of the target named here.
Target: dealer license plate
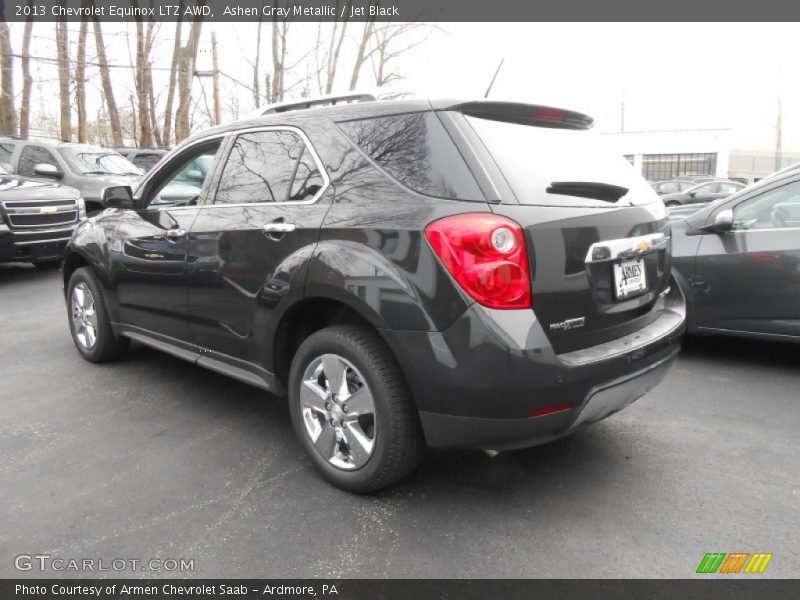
(629, 278)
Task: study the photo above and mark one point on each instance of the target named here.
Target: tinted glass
(729, 188)
(268, 166)
(708, 188)
(185, 177)
(776, 209)
(146, 161)
(415, 150)
(6, 150)
(32, 156)
(532, 158)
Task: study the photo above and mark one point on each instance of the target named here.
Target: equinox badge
(568, 324)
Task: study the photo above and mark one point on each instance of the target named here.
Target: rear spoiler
(524, 114)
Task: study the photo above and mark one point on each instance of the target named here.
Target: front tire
(352, 411)
(88, 319)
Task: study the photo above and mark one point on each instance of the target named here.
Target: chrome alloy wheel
(338, 411)
(84, 316)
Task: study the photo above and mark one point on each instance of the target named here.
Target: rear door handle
(278, 227)
(174, 234)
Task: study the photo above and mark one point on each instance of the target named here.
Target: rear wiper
(588, 189)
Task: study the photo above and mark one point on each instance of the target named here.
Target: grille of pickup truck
(30, 214)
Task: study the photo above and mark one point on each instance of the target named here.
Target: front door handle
(278, 227)
(174, 234)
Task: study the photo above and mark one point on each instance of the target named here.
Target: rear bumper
(480, 382)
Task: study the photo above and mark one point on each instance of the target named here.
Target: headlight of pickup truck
(81, 208)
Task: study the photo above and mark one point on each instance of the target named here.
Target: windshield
(99, 161)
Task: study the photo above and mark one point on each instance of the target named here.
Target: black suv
(408, 272)
(36, 219)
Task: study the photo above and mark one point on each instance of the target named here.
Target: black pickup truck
(36, 219)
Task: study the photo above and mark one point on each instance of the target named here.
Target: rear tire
(88, 319)
(374, 441)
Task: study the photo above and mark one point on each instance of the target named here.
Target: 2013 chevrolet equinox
(409, 272)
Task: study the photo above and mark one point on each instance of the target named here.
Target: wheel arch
(324, 309)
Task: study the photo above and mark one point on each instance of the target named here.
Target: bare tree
(108, 91)
(143, 76)
(173, 75)
(8, 116)
(188, 57)
(27, 80)
(80, 79)
(257, 63)
(362, 55)
(391, 40)
(280, 30)
(62, 52)
(335, 48)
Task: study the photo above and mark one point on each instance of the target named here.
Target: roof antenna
(489, 89)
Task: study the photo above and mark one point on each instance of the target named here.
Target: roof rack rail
(316, 102)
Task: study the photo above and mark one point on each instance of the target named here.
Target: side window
(146, 161)
(6, 150)
(708, 188)
(182, 181)
(269, 166)
(728, 188)
(776, 209)
(416, 150)
(32, 156)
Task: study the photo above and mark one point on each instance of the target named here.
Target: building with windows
(661, 155)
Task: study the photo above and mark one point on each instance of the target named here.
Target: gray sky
(672, 75)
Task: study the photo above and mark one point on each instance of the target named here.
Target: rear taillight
(486, 255)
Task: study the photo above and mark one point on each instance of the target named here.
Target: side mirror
(693, 194)
(723, 222)
(118, 196)
(195, 176)
(45, 170)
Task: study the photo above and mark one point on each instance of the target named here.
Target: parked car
(738, 262)
(88, 168)
(399, 270)
(36, 219)
(144, 158)
(697, 178)
(671, 186)
(703, 193)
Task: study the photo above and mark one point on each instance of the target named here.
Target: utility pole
(215, 67)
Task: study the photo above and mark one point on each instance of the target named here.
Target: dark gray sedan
(737, 261)
(702, 193)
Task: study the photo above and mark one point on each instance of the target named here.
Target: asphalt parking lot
(151, 457)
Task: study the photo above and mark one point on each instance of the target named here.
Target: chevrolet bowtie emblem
(643, 246)
(48, 210)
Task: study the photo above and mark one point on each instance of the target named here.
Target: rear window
(533, 159)
(415, 150)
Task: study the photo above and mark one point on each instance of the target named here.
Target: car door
(32, 155)
(748, 279)
(148, 253)
(249, 248)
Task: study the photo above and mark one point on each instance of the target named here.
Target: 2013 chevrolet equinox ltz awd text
(446, 273)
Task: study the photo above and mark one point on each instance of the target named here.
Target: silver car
(86, 167)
